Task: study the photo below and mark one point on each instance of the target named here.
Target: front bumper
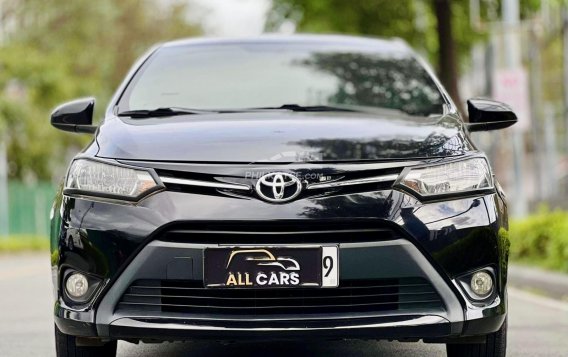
(437, 242)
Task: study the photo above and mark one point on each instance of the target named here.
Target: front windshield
(257, 75)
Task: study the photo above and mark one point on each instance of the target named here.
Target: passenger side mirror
(487, 114)
(75, 116)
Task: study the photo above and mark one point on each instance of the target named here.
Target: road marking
(537, 299)
(27, 271)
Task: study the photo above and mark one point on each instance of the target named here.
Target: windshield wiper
(161, 112)
(171, 111)
(307, 108)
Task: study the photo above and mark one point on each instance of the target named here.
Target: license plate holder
(271, 267)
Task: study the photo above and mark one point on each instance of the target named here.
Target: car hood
(281, 137)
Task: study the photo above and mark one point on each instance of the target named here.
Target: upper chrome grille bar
(313, 186)
(188, 182)
(362, 181)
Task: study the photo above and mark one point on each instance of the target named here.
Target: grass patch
(23, 243)
(541, 239)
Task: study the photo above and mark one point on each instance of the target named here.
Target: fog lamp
(77, 285)
(481, 284)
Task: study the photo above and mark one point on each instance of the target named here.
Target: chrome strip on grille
(313, 186)
(376, 179)
(188, 182)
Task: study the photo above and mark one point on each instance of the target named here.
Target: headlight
(107, 180)
(455, 177)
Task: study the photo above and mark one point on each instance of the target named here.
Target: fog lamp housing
(479, 286)
(79, 287)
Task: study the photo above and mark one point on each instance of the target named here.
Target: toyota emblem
(278, 187)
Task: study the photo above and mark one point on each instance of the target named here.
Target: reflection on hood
(282, 136)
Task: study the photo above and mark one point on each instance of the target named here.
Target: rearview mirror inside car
(75, 116)
(487, 114)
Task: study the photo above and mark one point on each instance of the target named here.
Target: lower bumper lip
(410, 327)
(419, 321)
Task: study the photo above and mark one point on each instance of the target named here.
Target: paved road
(554, 285)
(538, 326)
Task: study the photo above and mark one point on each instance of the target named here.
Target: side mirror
(487, 114)
(75, 116)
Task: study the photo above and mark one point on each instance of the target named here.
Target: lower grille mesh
(352, 296)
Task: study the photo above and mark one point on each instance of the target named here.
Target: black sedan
(277, 188)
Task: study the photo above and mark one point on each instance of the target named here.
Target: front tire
(495, 346)
(66, 346)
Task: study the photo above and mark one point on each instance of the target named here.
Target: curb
(539, 281)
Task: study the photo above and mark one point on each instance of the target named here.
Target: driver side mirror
(487, 114)
(75, 116)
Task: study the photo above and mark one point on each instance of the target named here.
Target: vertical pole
(550, 150)
(536, 110)
(4, 221)
(565, 75)
(474, 14)
(421, 22)
(490, 60)
(511, 22)
(1, 22)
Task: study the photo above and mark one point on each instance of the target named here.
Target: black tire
(495, 346)
(65, 346)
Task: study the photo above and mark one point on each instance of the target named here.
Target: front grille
(208, 183)
(289, 232)
(352, 296)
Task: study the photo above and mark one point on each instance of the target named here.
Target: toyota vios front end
(304, 187)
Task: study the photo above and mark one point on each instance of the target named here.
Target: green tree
(58, 50)
(438, 28)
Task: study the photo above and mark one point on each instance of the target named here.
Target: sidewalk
(542, 282)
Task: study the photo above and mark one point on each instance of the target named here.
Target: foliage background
(541, 239)
(57, 50)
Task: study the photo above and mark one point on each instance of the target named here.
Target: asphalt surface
(538, 326)
(551, 284)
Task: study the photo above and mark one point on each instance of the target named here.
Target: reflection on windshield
(235, 76)
(379, 82)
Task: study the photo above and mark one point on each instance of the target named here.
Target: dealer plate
(271, 267)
